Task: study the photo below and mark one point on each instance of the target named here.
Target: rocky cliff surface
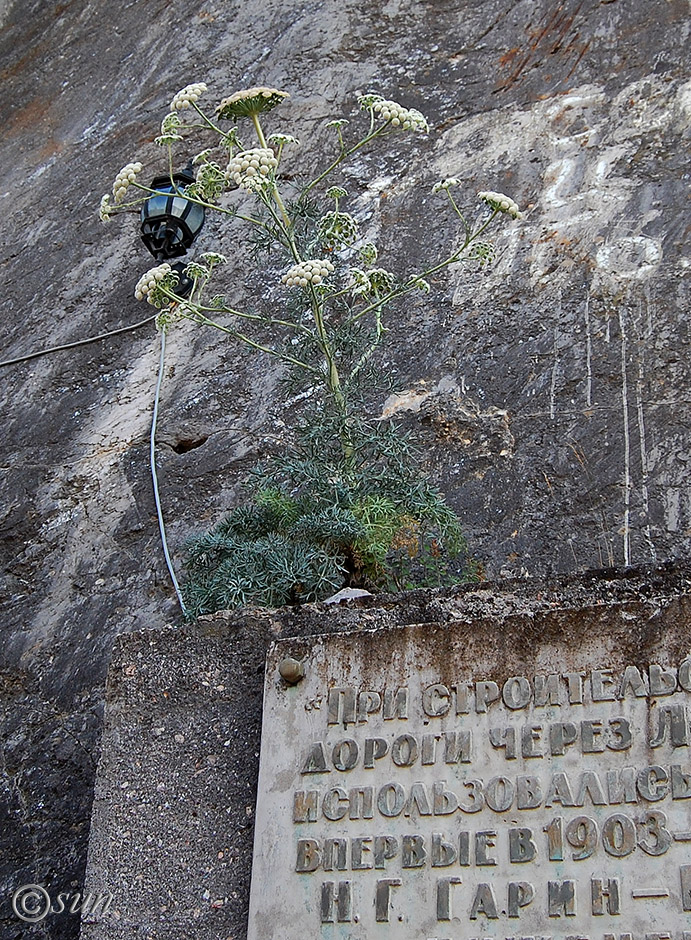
(550, 396)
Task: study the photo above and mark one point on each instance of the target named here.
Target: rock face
(558, 407)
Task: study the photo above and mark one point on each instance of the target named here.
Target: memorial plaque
(426, 783)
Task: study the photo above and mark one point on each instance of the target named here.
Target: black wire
(81, 342)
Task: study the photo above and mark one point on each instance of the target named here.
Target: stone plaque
(451, 783)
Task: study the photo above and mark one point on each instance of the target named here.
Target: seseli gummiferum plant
(346, 503)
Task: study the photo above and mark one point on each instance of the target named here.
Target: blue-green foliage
(318, 521)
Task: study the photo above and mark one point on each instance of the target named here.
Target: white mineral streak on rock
(585, 193)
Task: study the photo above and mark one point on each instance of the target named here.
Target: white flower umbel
(126, 176)
(307, 272)
(149, 285)
(251, 101)
(408, 119)
(501, 203)
(188, 96)
(251, 169)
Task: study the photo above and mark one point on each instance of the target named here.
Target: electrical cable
(80, 342)
(154, 478)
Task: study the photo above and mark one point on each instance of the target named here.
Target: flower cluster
(105, 210)
(170, 125)
(375, 281)
(189, 95)
(250, 101)
(307, 272)
(211, 182)
(445, 185)
(250, 168)
(500, 203)
(125, 177)
(408, 119)
(150, 285)
(280, 140)
(336, 230)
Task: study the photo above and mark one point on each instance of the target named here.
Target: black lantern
(170, 222)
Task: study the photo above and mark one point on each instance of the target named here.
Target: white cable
(154, 478)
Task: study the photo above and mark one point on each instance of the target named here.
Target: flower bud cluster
(307, 272)
(149, 285)
(251, 168)
(376, 281)
(445, 184)
(125, 177)
(105, 210)
(501, 203)
(408, 119)
(337, 230)
(189, 95)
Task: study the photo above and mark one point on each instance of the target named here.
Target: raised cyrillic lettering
(457, 747)
(335, 803)
(681, 783)
(485, 840)
(361, 854)
(601, 685)
(621, 786)
(443, 853)
(436, 700)
(419, 800)
(506, 738)
(382, 898)
(385, 848)
(413, 852)
(598, 893)
(561, 735)
(521, 845)
(486, 692)
(308, 855)
(305, 805)
(516, 692)
(652, 783)
(361, 801)
(341, 706)
(671, 719)
(335, 854)
(521, 894)
(528, 792)
(591, 737)
(444, 801)
(547, 689)
(633, 681)
(662, 681)
(484, 902)
(375, 749)
(404, 750)
(345, 754)
(395, 704)
(561, 898)
(339, 896)
(530, 735)
(444, 897)
(499, 794)
(391, 799)
(316, 760)
(368, 703)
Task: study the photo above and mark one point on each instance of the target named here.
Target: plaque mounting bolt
(291, 670)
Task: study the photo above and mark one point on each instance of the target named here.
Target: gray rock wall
(558, 383)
